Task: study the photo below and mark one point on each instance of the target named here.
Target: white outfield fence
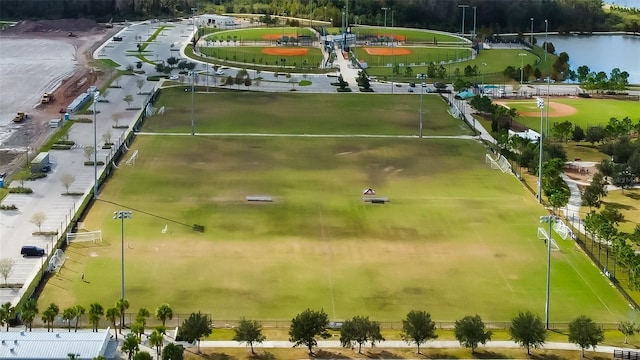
(86, 236)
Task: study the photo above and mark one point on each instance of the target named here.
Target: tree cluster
(591, 80)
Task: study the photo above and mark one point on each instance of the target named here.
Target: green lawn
(254, 55)
(291, 113)
(457, 238)
(257, 34)
(590, 112)
(406, 35)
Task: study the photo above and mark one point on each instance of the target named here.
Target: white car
(174, 77)
(219, 72)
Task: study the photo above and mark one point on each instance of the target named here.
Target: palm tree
(80, 310)
(28, 312)
(6, 313)
(164, 312)
(130, 345)
(141, 318)
(68, 314)
(113, 314)
(156, 340)
(49, 315)
(122, 305)
(95, 312)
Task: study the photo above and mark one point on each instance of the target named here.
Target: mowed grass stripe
(248, 112)
(457, 237)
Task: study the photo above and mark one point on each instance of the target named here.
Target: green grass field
(254, 55)
(590, 112)
(409, 35)
(418, 55)
(258, 34)
(457, 238)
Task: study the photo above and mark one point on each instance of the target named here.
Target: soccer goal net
(561, 229)
(56, 261)
(542, 235)
(86, 236)
(501, 163)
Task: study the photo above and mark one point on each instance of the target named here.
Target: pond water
(601, 52)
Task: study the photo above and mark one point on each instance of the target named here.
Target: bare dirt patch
(557, 109)
(277, 36)
(84, 36)
(285, 51)
(387, 51)
(396, 37)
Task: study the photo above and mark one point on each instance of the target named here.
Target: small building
(527, 134)
(39, 345)
(78, 102)
(217, 21)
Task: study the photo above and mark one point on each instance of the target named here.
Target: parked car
(29, 250)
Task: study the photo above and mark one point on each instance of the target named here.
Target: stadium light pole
(96, 94)
(540, 104)
(393, 73)
(474, 23)
(546, 36)
(464, 7)
(422, 85)
(550, 219)
(484, 64)
(122, 214)
(193, 78)
(546, 127)
(531, 34)
(522, 55)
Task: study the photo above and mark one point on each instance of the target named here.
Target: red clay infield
(284, 51)
(387, 51)
(277, 36)
(557, 109)
(396, 37)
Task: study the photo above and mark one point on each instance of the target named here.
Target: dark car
(31, 251)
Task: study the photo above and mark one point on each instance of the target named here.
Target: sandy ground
(38, 57)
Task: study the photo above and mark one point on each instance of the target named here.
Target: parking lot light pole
(540, 104)
(550, 219)
(122, 214)
(96, 94)
(546, 36)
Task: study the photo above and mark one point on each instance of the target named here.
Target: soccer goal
(56, 261)
(501, 163)
(542, 235)
(86, 236)
(562, 229)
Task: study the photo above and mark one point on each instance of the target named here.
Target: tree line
(492, 17)
(73, 316)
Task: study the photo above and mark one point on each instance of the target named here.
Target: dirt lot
(58, 50)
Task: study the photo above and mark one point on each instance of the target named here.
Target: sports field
(381, 56)
(456, 237)
(272, 55)
(410, 35)
(582, 112)
(260, 34)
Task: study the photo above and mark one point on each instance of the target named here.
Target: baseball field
(455, 237)
(582, 112)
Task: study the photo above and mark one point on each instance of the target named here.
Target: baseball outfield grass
(260, 34)
(456, 237)
(589, 112)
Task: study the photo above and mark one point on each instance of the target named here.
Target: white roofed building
(41, 345)
(217, 21)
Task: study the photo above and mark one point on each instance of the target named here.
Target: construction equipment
(46, 98)
(20, 116)
(109, 25)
